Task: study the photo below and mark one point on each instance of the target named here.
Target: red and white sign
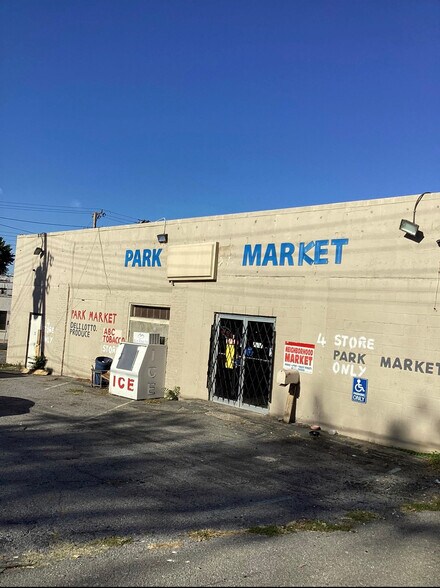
(298, 356)
(123, 383)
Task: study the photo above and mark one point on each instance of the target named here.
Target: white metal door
(34, 338)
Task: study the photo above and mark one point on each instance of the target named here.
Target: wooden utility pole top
(95, 217)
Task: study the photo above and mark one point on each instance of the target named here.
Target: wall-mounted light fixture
(39, 251)
(162, 238)
(410, 228)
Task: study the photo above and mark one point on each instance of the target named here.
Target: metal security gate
(241, 361)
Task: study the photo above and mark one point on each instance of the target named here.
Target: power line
(46, 207)
(122, 216)
(64, 210)
(16, 229)
(56, 208)
(42, 222)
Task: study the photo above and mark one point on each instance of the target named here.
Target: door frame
(34, 338)
(213, 361)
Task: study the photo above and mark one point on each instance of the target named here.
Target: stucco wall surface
(341, 277)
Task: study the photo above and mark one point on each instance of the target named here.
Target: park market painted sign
(320, 252)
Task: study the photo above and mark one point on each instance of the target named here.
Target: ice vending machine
(138, 371)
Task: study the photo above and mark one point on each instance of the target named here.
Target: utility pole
(95, 217)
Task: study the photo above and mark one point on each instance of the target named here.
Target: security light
(419, 236)
(38, 251)
(162, 238)
(411, 229)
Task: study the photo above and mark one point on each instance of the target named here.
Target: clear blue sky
(179, 108)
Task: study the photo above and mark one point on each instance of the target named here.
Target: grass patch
(362, 516)
(207, 534)
(431, 505)
(267, 530)
(76, 391)
(301, 525)
(172, 394)
(66, 550)
(11, 367)
(317, 525)
(432, 458)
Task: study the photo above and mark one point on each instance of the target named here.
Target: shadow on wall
(398, 433)
(39, 291)
(41, 286)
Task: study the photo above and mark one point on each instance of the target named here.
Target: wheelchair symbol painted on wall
(359, 390)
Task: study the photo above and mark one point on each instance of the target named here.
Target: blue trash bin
(102, 364)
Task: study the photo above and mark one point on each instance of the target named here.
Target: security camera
(438, 242)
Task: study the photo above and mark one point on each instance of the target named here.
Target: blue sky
(153, 109)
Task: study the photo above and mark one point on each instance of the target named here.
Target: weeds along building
(335, 292)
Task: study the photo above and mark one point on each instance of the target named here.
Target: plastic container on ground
(102, 364)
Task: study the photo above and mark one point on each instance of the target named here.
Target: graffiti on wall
(49, 331)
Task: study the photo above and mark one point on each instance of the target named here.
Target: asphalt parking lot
(81, 465)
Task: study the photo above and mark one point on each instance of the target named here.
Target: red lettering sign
(123, 383)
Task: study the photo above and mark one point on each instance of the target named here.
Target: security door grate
(241, 360)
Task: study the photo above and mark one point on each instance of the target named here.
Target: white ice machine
(138, 371)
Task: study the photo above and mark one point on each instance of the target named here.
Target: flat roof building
(5, 306)
(334, 293)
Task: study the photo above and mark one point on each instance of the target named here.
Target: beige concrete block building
(5, 306)
(335, 293)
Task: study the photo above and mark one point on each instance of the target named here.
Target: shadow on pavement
(12, 375)
(10, 405)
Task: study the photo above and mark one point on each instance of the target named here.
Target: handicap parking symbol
(359, 390)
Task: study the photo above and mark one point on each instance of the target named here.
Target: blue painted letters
(318, 252)
(143, 258)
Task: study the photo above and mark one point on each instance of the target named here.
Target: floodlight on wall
(163, 236)
(410, 228)
(39, 251)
